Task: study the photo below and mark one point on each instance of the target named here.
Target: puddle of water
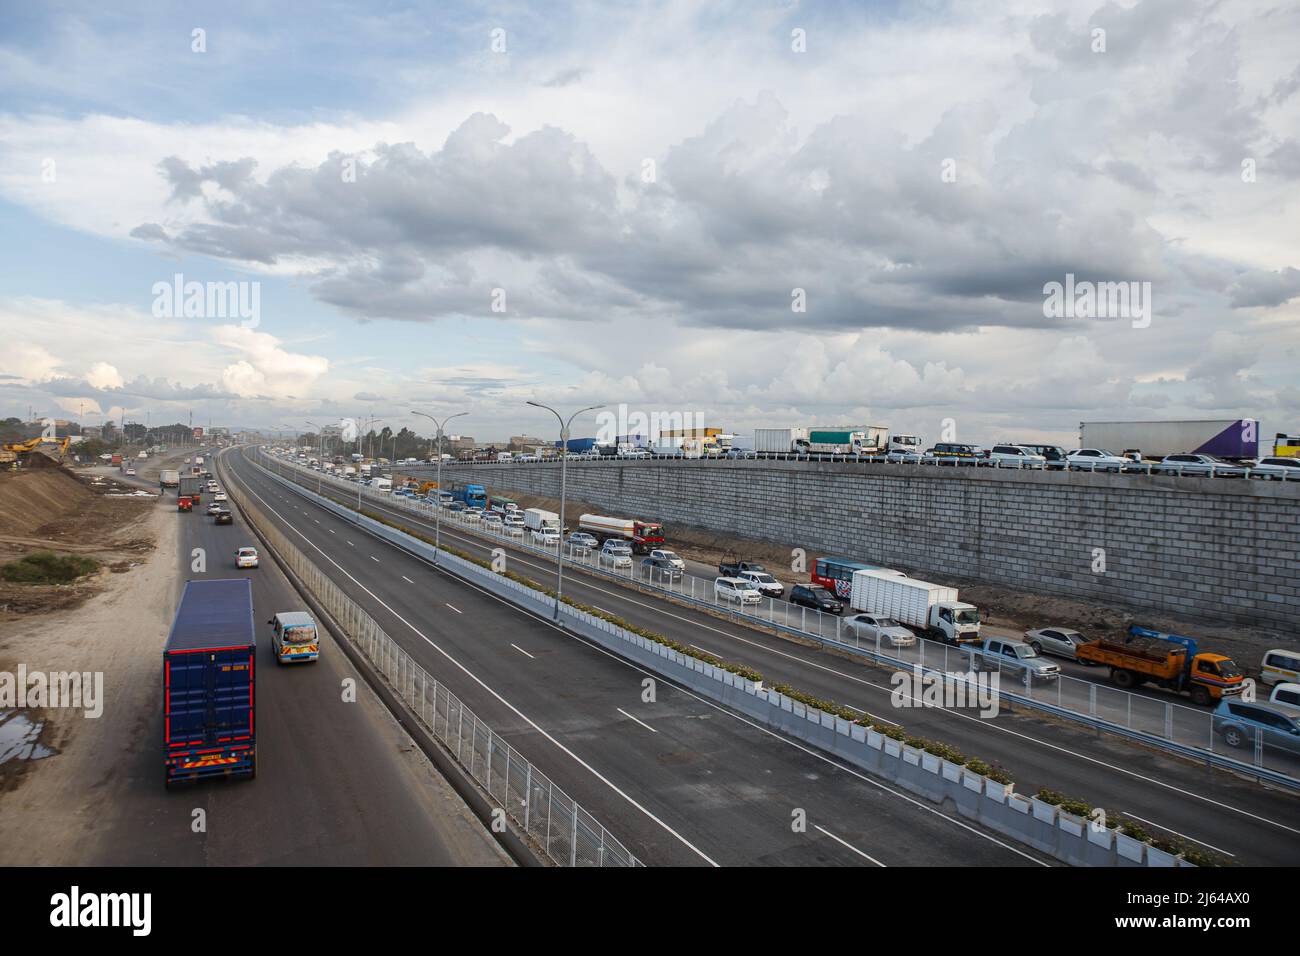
(20, 738)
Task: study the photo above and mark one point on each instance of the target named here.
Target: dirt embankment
(48, 507)
(1006, 610)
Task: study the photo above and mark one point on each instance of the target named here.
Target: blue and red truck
(210, 683)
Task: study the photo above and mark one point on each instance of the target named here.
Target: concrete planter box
(1103, 837)
(799, 709)
(952, 771)
(929, 762)
(1158, 857)
(1044, 812)
(893, 747)
(911, 755)
(997, 792)
(858, 733)
(875, 739)
(1129, 848)
(1070, 823)
(1018, 803)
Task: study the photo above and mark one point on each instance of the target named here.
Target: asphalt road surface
(679, 780)
(1251, 824)
(337, 783)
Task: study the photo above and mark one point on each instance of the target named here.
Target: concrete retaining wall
(1222, 549)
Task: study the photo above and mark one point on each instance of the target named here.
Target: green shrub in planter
(1132, 830)
(946, 751)
(1070, 805)
(994, 772)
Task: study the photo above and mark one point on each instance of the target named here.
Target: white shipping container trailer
(1226, 437)
(926, 607)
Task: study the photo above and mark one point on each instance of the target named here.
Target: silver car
(1201, 465)
(1057, 641)
(867, 627)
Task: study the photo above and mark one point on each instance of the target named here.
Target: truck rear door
(209, 711)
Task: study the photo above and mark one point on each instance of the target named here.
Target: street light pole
(564, 465)
(437, 511)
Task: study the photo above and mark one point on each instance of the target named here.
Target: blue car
(1241, 724)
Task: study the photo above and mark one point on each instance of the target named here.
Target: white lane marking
(705, 650)
(331, 530)
(641, 722)
(817, 755)
(407, 580)
(524, 652)
(1176, 833)
(474, 677)
(351, 545)
(456, 609)
(374, 559)
(849, 845)
(990, 725)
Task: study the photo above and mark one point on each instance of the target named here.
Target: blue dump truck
(474, 496)
(209, 683)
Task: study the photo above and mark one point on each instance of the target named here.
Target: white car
(1277, 469)
(670, 557)
(220, 496)
(767, 585)
(868, 627)
(737, 590)
(472, 514)
(246, 558)
(492, 521)
(616, 554)
(1095, 459)
(1015, 456)
(545, 537)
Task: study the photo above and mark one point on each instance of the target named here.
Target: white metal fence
(1162, 717)
(568, 834)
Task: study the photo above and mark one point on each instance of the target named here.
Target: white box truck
(543, 526)
(931, 609)
(780, 441)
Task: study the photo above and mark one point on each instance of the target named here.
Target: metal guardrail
(1176, 728)
(568, 834)
(1135, 468)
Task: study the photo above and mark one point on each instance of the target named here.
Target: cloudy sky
(763, 214)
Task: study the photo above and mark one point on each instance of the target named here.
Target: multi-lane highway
(1250, 823)
(678, 779)
(338, 783)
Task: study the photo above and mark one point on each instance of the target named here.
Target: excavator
(18, 452)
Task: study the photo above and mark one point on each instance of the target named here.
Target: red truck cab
(183, 503)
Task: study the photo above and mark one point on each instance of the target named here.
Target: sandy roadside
(50, 808)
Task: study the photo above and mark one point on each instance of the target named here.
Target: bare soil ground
(1006, 610)
(48, 507)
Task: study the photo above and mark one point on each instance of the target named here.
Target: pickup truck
(1002, 654)
(731, 568)
(1181, 668)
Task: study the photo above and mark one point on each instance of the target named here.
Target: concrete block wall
(1226, 549)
